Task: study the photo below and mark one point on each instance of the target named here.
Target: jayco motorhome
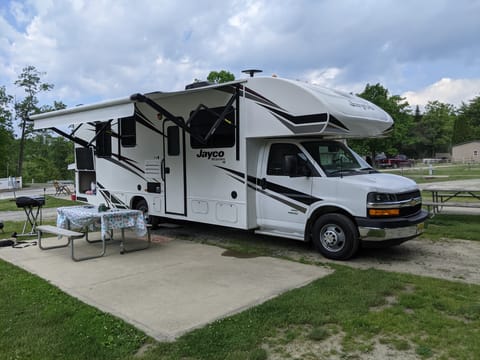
(260, 153)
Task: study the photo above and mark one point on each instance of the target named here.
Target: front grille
(408, 195)
(410, 210)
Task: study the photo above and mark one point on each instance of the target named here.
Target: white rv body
(254, 154)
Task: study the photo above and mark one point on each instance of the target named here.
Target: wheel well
(322, 211)
(135, 200)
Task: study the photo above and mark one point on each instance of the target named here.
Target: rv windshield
(336, 159)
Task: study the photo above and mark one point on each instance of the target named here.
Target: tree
(435, 128)
(47, 157)
(30, 81)
(6, 132)
(398, 141)
(467, 124)
(221, 76)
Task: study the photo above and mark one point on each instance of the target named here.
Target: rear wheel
(142, 205)
(335, 236)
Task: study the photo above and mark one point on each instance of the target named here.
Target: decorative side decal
(274, 190)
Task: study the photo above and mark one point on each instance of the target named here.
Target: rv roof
(301, 108)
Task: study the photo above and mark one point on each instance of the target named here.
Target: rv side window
(84, 159)
(203, 121)
(128, 131)
(173, 136)
(104, 139)
(276, 158)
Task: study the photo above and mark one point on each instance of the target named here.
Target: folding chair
(33, 209)
(61, 189)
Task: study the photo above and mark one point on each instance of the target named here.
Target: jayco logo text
(211, 154)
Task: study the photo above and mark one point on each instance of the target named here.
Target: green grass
(17, 226)
(428, 317)
(432, 316)
(38, 321)
(357, 309)
(50, 202)
(441, 172)
(453, 226)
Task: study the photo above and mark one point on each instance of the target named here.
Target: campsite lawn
(50, 202)
(453, 226)
(353, 309)
(343, 315)
(421, 173)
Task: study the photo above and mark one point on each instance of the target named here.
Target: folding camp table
(33, 210)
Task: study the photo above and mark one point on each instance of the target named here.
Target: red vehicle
(396, 162)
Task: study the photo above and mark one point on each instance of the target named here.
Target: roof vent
(252, 72)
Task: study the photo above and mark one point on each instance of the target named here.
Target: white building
(466, 152)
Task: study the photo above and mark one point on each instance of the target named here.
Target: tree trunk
(20, 153)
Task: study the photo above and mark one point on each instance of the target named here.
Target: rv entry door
(173, 169)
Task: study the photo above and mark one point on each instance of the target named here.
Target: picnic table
(87, 218)
(461, 194)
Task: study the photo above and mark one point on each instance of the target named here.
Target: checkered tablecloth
(89, 218)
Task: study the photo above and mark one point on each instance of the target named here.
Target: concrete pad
(170, 288)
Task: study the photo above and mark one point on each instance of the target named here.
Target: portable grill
(33, 210)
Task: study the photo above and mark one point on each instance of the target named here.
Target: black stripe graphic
(254, 183)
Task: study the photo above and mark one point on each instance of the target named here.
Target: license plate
(420, 228)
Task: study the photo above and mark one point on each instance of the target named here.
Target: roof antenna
(252, 72)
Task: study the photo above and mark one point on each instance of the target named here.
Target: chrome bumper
(378, 234)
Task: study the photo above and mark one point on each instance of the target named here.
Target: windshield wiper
(341, 171)
(369, 170)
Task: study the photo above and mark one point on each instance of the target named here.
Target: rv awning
(107, 110)
(103, 111)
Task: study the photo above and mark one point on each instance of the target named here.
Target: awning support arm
(104, 126)
(186, 125)
(221, 117)
(75, 139)
(175, 119)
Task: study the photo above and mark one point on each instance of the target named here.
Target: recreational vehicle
(266, 154)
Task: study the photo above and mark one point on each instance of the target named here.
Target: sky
(95, 50)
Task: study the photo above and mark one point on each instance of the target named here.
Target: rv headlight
(382, 205)
(379, 198)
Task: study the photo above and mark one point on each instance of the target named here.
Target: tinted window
(104, 139)
(276, 158)
(204, 120)
(128, 131)
(84, 159)
(173, 140)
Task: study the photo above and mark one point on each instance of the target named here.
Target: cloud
(94, 50)
(449, 91)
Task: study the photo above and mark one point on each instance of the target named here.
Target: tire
(142, 205)
(335, 236)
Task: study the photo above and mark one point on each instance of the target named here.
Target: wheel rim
(332, 237)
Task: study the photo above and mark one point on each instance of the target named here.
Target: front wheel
(335, 236)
